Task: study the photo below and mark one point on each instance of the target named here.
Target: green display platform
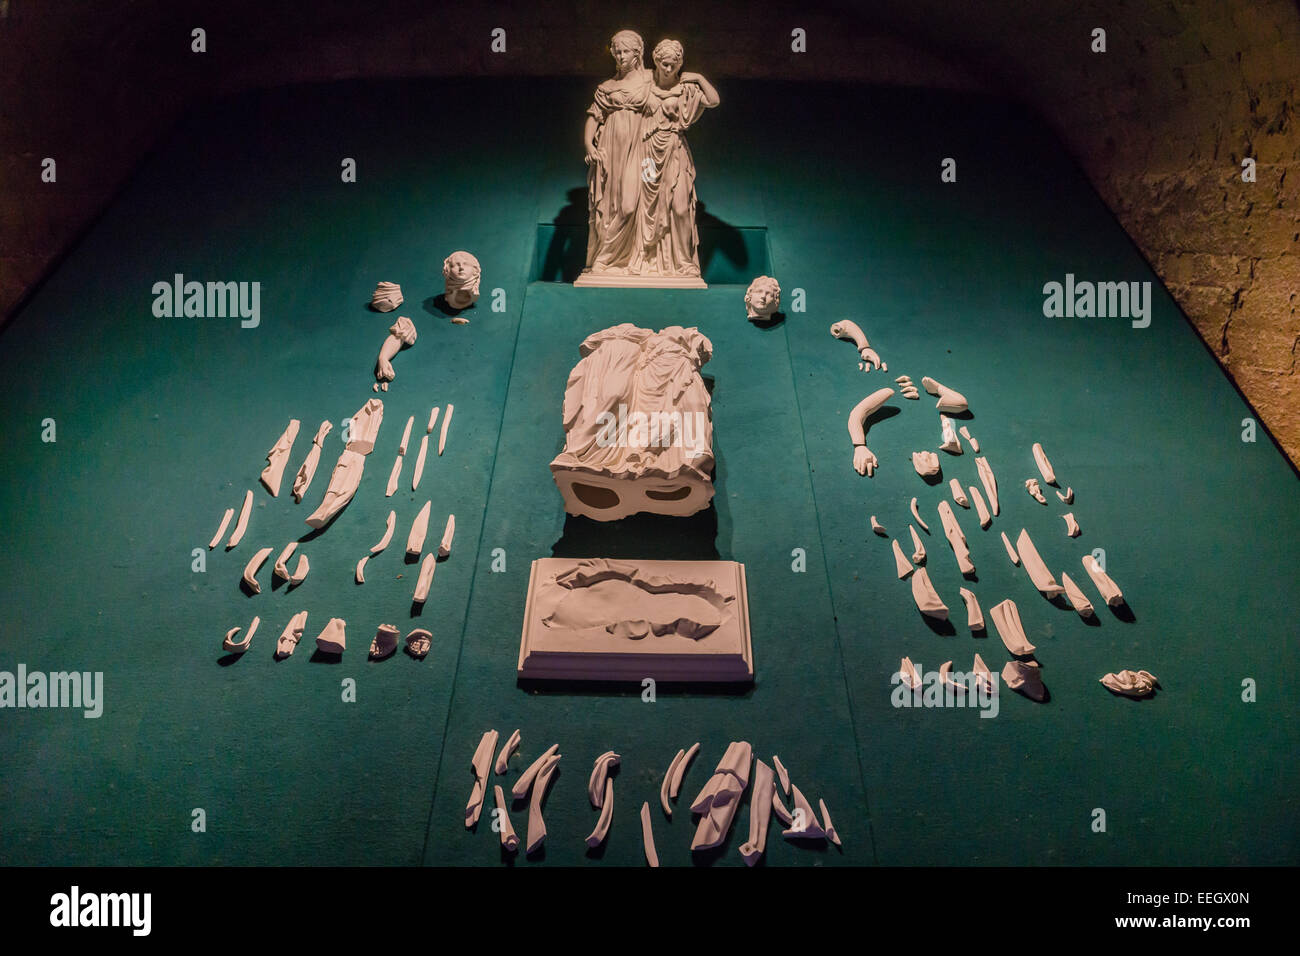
(162, 423)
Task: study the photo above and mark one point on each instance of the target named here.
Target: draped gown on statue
(614, 176)
(667, 241)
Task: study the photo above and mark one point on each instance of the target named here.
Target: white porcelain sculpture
(401, 335)
(460, 276)
(762, 298)
(600, 619)
(638, 425)
(387, 296)
(640, 173)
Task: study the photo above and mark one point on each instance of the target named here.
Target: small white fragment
(1071, 526)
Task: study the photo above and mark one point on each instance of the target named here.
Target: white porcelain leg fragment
(974, 616)
(419, 530)
(302, 481)
(333, 637)
(989, 482)
(981, 509)
(760, 813)
(419, 462)
(480, 766)
(958, 495)
(901, 564)
(426, 578)
(254, 565)
(864, 462)
(507, 751)
(389, 525)
(926, 597)
(1110, 591)
(221, 530)
(291, 635)
(509, 839)
(241, 525)
(1044, 466)
(448, 532)
(952, 531)
(950, 400)
(1006, 618)
(278, 457)
(648, 837)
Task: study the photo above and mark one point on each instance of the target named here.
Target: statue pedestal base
(607, 280)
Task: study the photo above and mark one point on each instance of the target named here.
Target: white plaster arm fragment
(401, 335)
(850, 331)
(864, 462)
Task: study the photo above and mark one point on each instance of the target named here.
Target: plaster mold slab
(419, 462)
(1068, 497)
(361, 570)
(384, 643)
(333, 637)
(965, 433)
(291, 635)
(827, 825)
(719, 800)
(760, 813)
(1035, 492)
(926, 463)
(419, 530)
(221, 530)
(480, 766)
(956, 539)
(386, 297)
(850, 331)
(989, 482)
(418, 642)
(901, 564)
(394, 477)
(448, 532)
(536, 825)
(1110, 592)
(950, 400)
(782, 775)
(425, 580)
(241, 525)
(281, 572)
(599, 772)
(278, 457)
(239, 647)
(981, 509)
(446, 423)
(864, 460)
(365, 427)
(803, 814)
(1131, 683)
(1078, 600)
(1037, 569)
(1071, 525)
(344, 480)
(597, 836)
(300, 572)
(958, 495)
(974, 616)
(918, 549)
(525, 781)
(601, 619)
(1025, 677)
(401, 335)
(916, 513)
(876, 526)
(926, 598)
(951, 443)
(302, 481)
(1006, 618)
(1011, 551)
(389, 525)
(254, 565)
(507, 751)
(648, 837)
(1044, 466)
(509, 839)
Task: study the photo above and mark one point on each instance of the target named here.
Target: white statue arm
(710, 94)
(864, 462)
(589, 137)
(850, 331)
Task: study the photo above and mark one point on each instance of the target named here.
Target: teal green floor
(162, 424)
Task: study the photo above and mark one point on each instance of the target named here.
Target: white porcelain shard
(419, 462)
(333, 637)
(950, 400)
(760, 813)
(278, 457)
(401, 335)
(718, 802)
(901, 564)
(974, 616)
(782, 775)
(663, 786)
(291, 635)
(448, 532)
(433, 419)
(956, 539)
(916, 513)
(1011, 551)
(254, 565)
(908, 675)
(918, 549)
(1078, 600)
(981, 509)
(926, 597)
(365, 427)
(509, 839)
(361, 570)
(904, 380)
(965, 433)
(1110, 592)
(958, 495)
(675, 785)
(507, 751)
(1037, 569)
(1071, 525)
(803, 814)
(480, 765)
(849, 331)
(406, 435)
(419, 530)
(989, 482)
(599, 772)
(394, 477)
(241, 525)
(762, 298)
(1131, 683)
(221, 530)
(1044, 466)
(779, 808)
(525, 781)
(876, 526)
(1006, 618)
(945, 678)
(536, 825)
(864, 461)
(1035, 492)
(1025, 677)
(302, 481)
(926, 463)
(598, 835)
(983, 677)
(389, 525)
(384, 642)
(1068, 497)
(426, 578)
(461, 273)
(951, 443)
(386, 297)
(418, 642)
(238, 647)
(648, 837)
(827, 825)
(446, 423)
(300, 572)
(344, 480)
(281, 563)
